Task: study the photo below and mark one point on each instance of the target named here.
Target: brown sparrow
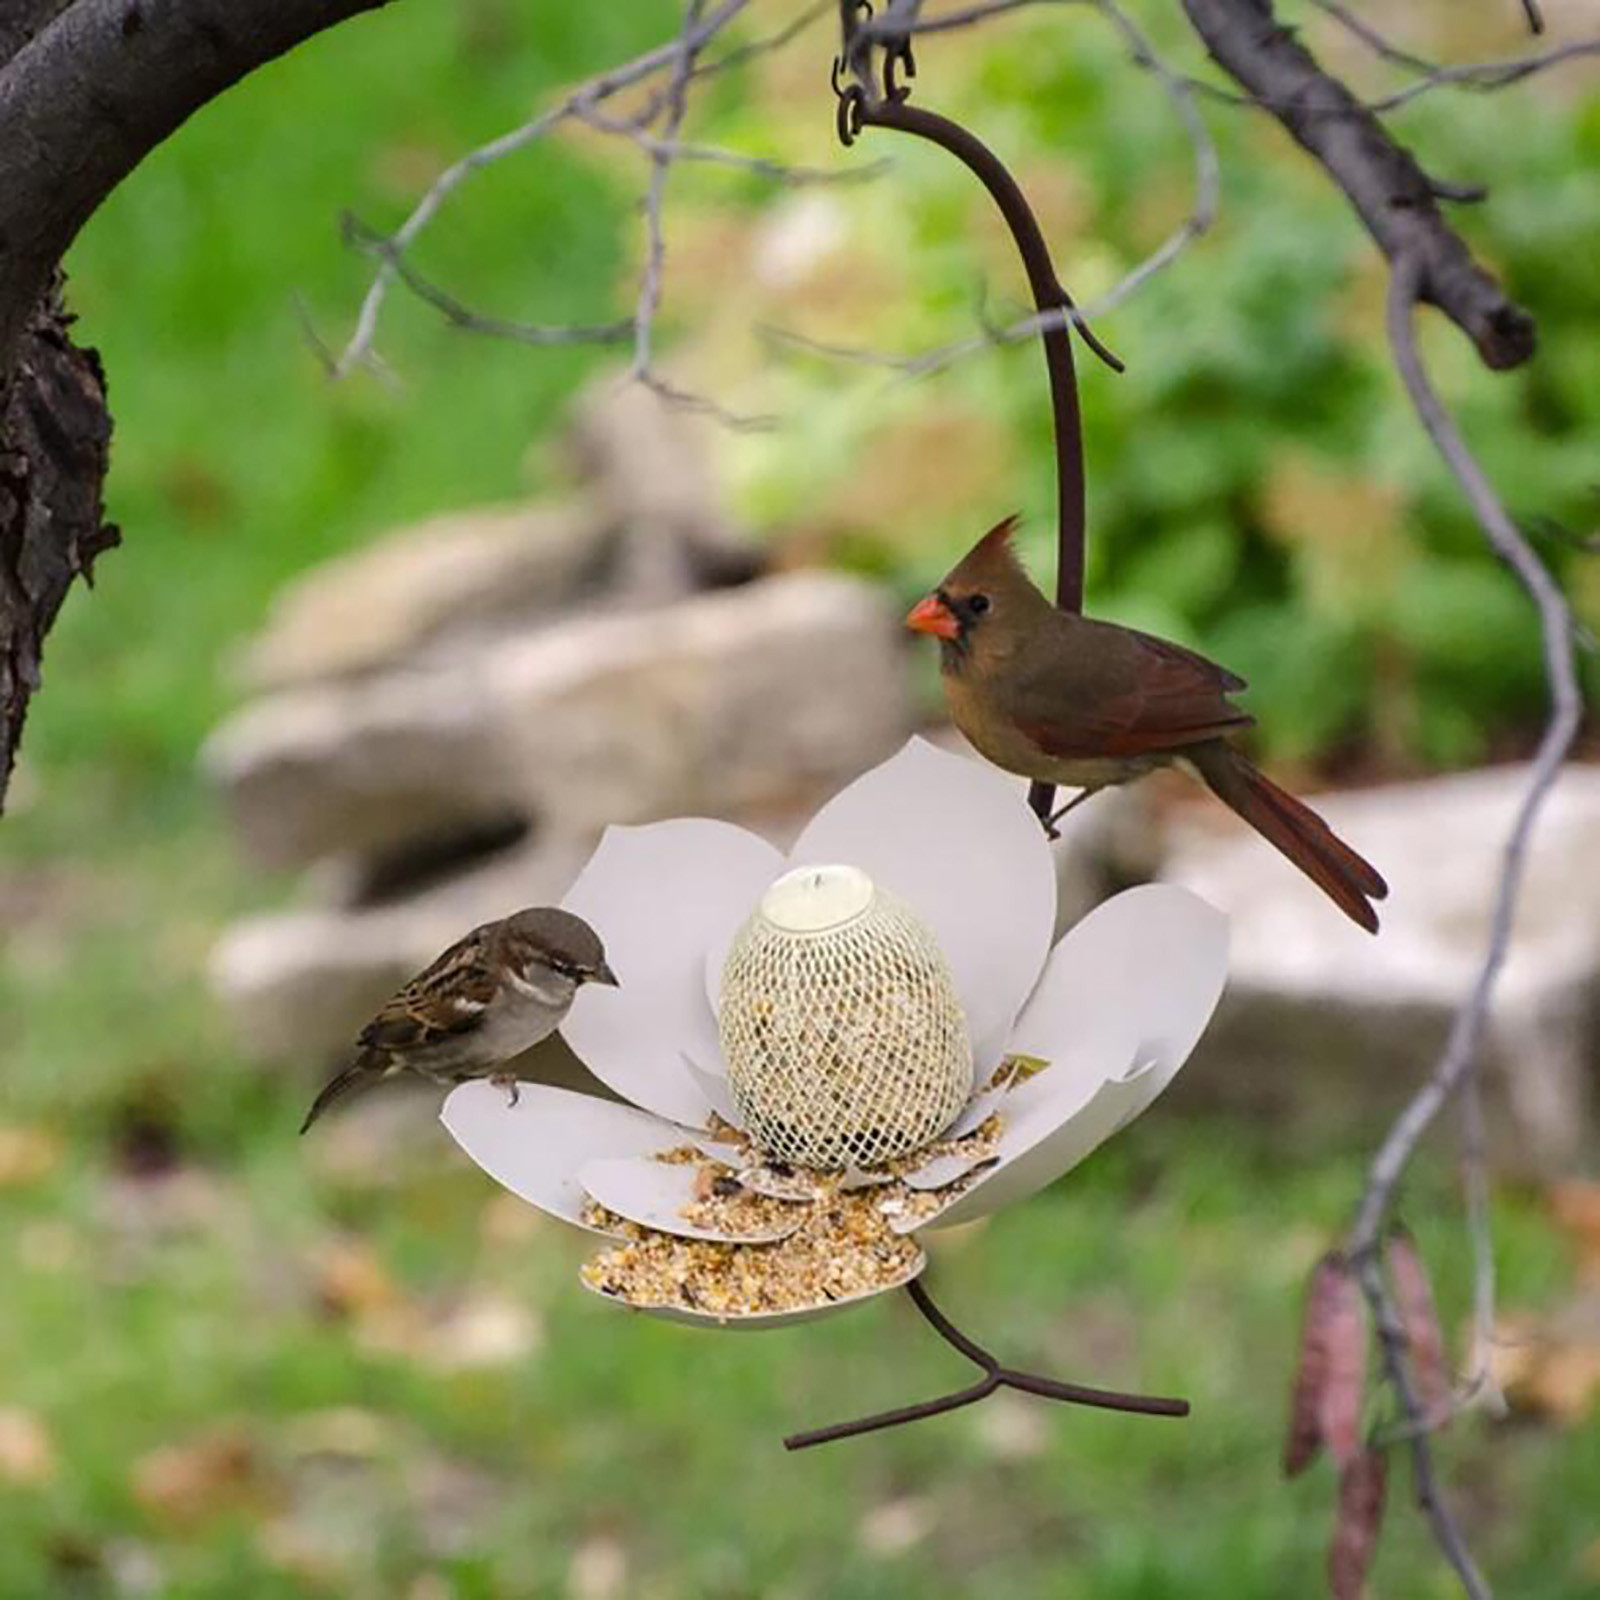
(489, 997)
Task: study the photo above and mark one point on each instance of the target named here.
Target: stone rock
(1323, 1024)
(298, 984)
(410, 598)
(748, 697)
(648, 465)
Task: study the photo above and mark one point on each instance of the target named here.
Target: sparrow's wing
(444, 1001)
(1117, 692)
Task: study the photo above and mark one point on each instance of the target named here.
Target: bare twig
(1486, 75)
(1461, 1053)
(767, 43)
(661, 159)
(1481, 1383)
(1383, 181)
(373, 243)
(901, 19)
(1374, 41)
(671, 150)
(359, 346)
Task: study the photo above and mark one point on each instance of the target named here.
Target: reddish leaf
(1413, 1299)
(1344, 1338)
(1362, 1487)
(1311, 1374)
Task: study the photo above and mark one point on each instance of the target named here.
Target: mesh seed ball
(845, 1042)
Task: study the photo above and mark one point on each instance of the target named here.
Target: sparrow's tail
(1294, 829)
(365, 1069)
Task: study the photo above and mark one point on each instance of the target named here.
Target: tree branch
(92, 93)
(20, 20)
(1453, 1074)
(1391, 193)
(87, 89)
(55, 436)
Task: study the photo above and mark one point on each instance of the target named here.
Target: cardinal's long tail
(1294, 829)
(365, 1069)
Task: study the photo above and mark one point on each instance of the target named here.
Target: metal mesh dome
(845, 1042)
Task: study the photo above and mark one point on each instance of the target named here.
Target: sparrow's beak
(932, 615)
(604, 974)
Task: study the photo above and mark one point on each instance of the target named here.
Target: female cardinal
(1057, 697)
(489, 997)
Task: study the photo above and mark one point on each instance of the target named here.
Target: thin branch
(768, 43)
(1461, 1053)
(1481, 1383)
(671, 150)
(1372, 39)
(902, 19)
(370, 242)
(677, 102)
(359, 346)
(1383, 181)
(1486, 75)
(995, 1376)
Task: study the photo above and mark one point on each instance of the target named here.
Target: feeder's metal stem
(995, 1376)
(859, 108)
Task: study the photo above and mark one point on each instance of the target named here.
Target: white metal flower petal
(953, 840)
(536, 1147)
(1123, 1001)
(660, 895)
(1145, 968)
(656, 1195)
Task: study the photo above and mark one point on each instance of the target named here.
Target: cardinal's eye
(978, 604)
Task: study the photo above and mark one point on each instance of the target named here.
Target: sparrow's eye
(978, 604)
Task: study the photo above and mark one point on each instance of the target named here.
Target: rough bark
(1391, 193)
(55, 439)
(87, 89)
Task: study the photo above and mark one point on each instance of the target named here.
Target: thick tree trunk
(55, 439)
(87, 89)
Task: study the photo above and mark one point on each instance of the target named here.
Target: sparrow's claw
(508, 1082)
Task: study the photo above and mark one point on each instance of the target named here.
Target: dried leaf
(1344, 1338)
(27, 1455)
(351, 1281)
(1311, 1374)
(1362, 1488)
(1575, 1209)
(1548, 1365)
(598, 1570)
(189, 1482)
(896, 1526)
(1413, 1298)
(26, 1156)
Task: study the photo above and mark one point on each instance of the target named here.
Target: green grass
(1165, 1264)
(133, 1319)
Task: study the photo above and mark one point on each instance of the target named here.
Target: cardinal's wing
(446, 1000)
(1127, 694)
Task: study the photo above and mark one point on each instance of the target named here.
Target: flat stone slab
(1323, 1022)
(744, 697)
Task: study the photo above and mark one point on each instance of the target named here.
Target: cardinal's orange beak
(932, 615)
